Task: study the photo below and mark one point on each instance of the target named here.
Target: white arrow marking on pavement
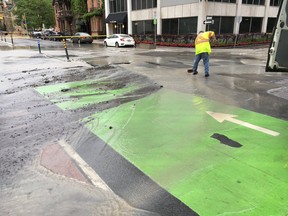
(220, 117)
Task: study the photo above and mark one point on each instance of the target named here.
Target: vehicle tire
(105, 44)
(116, 44)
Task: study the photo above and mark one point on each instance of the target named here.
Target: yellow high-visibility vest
(202, 43)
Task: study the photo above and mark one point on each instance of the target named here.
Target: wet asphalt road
(30, 123)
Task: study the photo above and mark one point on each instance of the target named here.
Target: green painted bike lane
(167, 135)
(75, 95)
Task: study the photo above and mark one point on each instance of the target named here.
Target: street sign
(155, 21)
(208, 22)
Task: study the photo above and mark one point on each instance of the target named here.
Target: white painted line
(220, 117)
(87, 170)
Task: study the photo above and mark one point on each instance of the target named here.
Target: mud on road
(29, 122)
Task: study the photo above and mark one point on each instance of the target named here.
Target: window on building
(256, 25)
(117, 6)
(149, 3)
(143, 4)
(254, 2)
(187, 25)
(123, 5)
(138, 27)
(275, 3)
(154, 4)
(112, 5)
(245, 25)
(223, 1)
(134, 5)
(143, 27)
(250, 25)
(149, 27)
(271, 24)
(179, 26)
(222, 25)
(227, 25)
(170, 26)
(139, 6)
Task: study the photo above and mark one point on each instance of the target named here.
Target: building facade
(90, 21)
(190, 16)
(96, 12)
(65, 21)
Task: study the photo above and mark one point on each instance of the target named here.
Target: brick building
(65, 21)
(96, 16)
(91, 22)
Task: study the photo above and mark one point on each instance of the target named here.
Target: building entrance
(120, 28)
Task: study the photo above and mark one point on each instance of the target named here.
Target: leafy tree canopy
(79, 7)
(37, 12)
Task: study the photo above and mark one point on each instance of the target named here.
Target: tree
(79, 6)
(37, 12)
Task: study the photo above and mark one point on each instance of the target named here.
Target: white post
(159, 23)
(107, 12)
(129, 18)
(265, 19)
(201, 16)
(238, 14)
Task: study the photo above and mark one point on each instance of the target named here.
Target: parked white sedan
(118, 40)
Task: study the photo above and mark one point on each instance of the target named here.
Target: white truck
(278, 52)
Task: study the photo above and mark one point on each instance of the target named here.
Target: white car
(118, 40)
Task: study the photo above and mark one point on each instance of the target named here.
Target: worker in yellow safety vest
(202, 51)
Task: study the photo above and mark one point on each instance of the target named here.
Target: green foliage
(79, 6)
(37, 12)
(96, 12)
